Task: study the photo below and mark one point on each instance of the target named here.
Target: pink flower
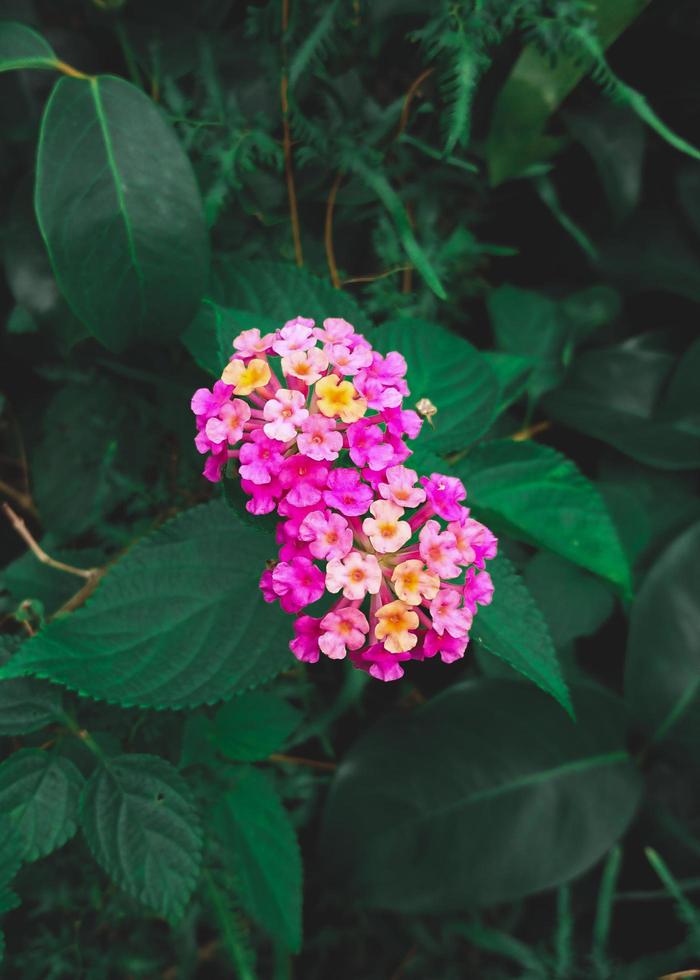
(345, 630)
(402, 422)
(269, 594)
(483, 541)
(249, 343)
(295, 335)
(478, 588)
(297, 583)
(335, 331)
(385, 529)
(205, 404)
(303, 478)
(284, 413)
(214, 466)
(229, 424)
(263, 497)
(356, 575)
(305, 365)
(319, 439)
(347, 493)
(261, 458)
(438, 550)
(348, 361)
(463, 541)
(401, 488)
(379, 663)
(377, 395)
(447, 615)
(304, 646)
(389, 370)
(444, 494)
(327, 534)
(450, 648)
(367, 445)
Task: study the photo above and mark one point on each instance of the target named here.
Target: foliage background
(508, 192)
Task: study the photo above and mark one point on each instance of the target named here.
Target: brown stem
(297, 760)
(287, 144)
(372, 277)
(22, 500)
(531, 430)
(24, 532)
(408, 98)
(328, 232)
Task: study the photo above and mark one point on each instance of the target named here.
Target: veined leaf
(21, 47)
(407, 834)
(40, 796)
(116, 199)
(537, 494)
(142, 827)
(260, 847)
(209, 338)
(179, 621)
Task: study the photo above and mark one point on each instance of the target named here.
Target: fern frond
(458, 88)
(316, 44)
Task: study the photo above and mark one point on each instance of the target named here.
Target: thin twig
(22, 500)
(287, 143)
(24, 532)
(328, 232)
(531, 430)
(408, 98)
(297, 760)
(377, 275)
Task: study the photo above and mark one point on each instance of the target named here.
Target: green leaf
(513, 628)
(120, 212)
(27, 578)
(40, 796)
(27, 705)
(280, 291)
(573, 602)
(616, 394)
(662, 675)
(209, 338)
(522, 799)
(21, 47)
(260, 846)
(513, 373)
(253, 725)
(140, 821)
(539, 496)
(10, 860)
(179, 621)
(452, 374)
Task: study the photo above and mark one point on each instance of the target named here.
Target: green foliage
(506, 193)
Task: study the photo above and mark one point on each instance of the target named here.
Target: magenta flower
(304, 646)
(284, 414)
(228, 425)
(319, 439)
(438, 550)
(344, 630)
(327, 534)
(303, 479)
(347, 361)
(478, 588)
(335, 331)
(297, 583)
(261, 458)
(450, 648)
(380, 664)
(482, 540)
(444, 494)
(367, 445)
(448, 615)
(347, 493)
(263, 497)
(205, 404)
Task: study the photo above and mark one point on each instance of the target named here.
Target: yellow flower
(336, 397)
(394, 622)
(245, 378)
(413, 583)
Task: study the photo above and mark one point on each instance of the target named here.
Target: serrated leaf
(261, 847)
(40, 796)
(209, 338)
(514, 629)
(116, 199)
(513, 373)
(280, 291)
(574, 603)
(21, 47)
(27, 705)
(251, 726)
(538, 495)
(448, 371)
(179, 621)
(662, 675)
(407, 834)
(142, 826)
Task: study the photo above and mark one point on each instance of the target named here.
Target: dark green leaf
(513, 628)
(448, 371)
(179, 621)
(21, 47)
(574, 603)
(40, 796)
(261, 847)
(486, 794)
(27, 705)
(27, 578)
(662, 678)
(142, 826)
(539, 496)
(116, 200)
(251, 726)
(513, 373)
(209, 338)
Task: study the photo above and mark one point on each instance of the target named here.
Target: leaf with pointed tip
(21, 47)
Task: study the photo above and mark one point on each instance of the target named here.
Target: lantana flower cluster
(314, 419)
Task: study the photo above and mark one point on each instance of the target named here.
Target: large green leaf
(281, 291)
(209, 338)
(21, 47)
(10, 860)
(573, 602)
(537, 494)
(120, 212)
(486, 794)
(179, 621)
(40, 796)
(259, 846)
(448, 371)
(142, 826)
(623, 395)
(26, 705)
(514, 629)
(662, 678)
